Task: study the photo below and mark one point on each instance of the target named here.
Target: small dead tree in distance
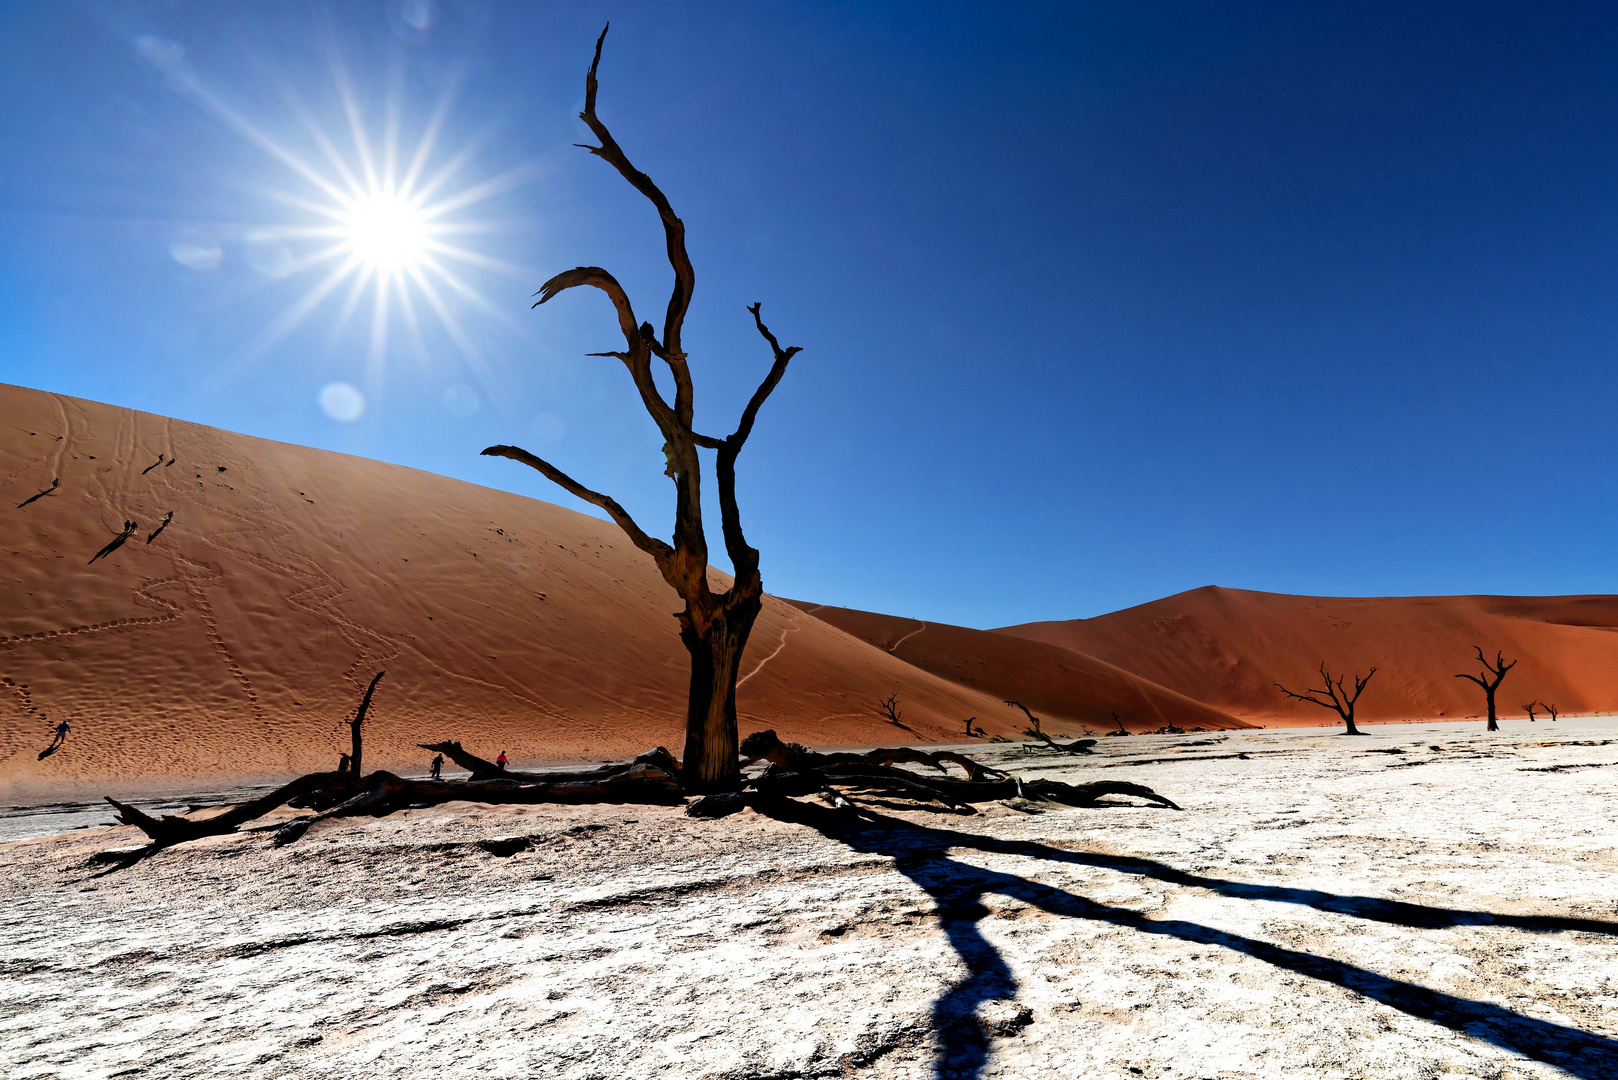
(714, 627)
(1529, 709)
(1337, 698)
(1490, 679)
(1550, 709)
(890, 709)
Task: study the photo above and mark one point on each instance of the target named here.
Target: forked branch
(1492, 674)
(742, 556)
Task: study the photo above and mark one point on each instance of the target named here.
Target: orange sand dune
(1067, 688)
(1228, 646)
(239, 639)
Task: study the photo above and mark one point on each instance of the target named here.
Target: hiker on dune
(56, 743)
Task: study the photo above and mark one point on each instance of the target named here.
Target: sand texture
(1227, 647)
(1322, 908)
(237, 641)
(1071, 689)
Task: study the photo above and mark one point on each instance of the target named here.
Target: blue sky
(1098, 302)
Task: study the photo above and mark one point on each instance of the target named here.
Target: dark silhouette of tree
(355, 735)
(1551, 709)
(1490, 679)
(890, 709)
(1529, 709)
(1336, 697)
(1120, 722)
(969, 720)
(1032, 719)
(714, 627)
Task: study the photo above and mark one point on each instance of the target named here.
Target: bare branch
(1359, 685)
(1309, 696)
(765, 388)
(1032, 719)
(685, 278)
(649, 544)
(600, 279)
(742, 556)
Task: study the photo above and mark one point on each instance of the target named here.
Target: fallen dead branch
(1077, 746)
(794, 771)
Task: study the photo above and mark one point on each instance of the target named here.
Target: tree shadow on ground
(921, 853)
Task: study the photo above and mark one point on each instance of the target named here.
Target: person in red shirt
(501, 760)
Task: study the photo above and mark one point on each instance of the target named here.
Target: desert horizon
(238, 640)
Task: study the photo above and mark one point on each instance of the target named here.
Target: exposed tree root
(794, 771)
(382, 793)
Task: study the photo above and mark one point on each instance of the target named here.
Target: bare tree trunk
(1494, 721)
(710, 761)
(354, 725)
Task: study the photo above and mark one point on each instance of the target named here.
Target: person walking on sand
(501, 761)
(438, 767)
(56, 743)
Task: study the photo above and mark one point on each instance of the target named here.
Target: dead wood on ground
(1077, 746)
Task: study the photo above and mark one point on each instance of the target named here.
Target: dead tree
(714, 627)
(969, 720)
(890, 709)
(1549, 709)
(354, 725)
(1529, 709)
(1032, 719)
(1119, 721)
(1337, 698)
(1490, 679)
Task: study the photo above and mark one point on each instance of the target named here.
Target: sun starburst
(368, 222)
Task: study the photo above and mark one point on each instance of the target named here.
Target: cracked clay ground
(1319, 909)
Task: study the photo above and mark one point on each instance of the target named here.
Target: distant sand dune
(1227, 647)
(1068, 688)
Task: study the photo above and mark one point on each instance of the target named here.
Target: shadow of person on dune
(921, 853)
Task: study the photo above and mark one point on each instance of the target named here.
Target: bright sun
(385, 232)
(380, 218)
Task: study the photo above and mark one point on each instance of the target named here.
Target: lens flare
(341, 402)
